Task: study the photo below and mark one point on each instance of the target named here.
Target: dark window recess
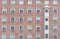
(4, 12)
(55, 36)
(29, 11)
(46, 10)
(46, 19)
(21, 37)
(21, 28)
(4, 28)
(38, 11)
(46, 27)
(46, 35)
(38, 38)
(55, 11)
(12, 27)
(12, 11)
(12, 19)
(38, 28)
(21, 11)
(21, 19)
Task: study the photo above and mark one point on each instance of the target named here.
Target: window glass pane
(55, 27)
(55, 2)
(29, 27)
(37, 27)
(21, 2)
(21, 27)
(12, 27)
(21, 19)
(38, 2)
(46, 27)
(21, 36)
(38, 18)
(55, 10)
(46, 35)
(55, 36)
(29, 18)
(12, 2)
(12, 36)
(3, 19)
(12, 19)
(55, 18)
(46, 2)
(3, 36)
(4, 2)
(21, 10)
(37, 36)
(29, 2)
(29, 36)
(3, 27)
(29, 10)
(4, 10)
(37, 10)
(12, 10)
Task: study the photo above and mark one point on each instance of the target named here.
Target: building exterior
(29, 19)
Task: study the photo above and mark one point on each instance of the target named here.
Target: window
(37, 18)
(38, 2)
(29, 19)
(55, 10)
(4, 10)
(3, 36)
(12, 36)
(29, 27)
(21, 10)
(3, 19)
(37, 27)
(46, 19)
(46, 1)
(21, 19)
(29, 36)
(21, 2)
(55, 27)
(46, 10)
(12, 2)
(12, 10)
(21, 27)
(55, 36)
(46, 27)
(37, 10)
(3, 27)
(55, 2)
(12, 19)
(29, 2)
(38, 36)
(29, 10)
(46, 35)
(4, 2)
(12, 27)
(20, 36)
(55, 18)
